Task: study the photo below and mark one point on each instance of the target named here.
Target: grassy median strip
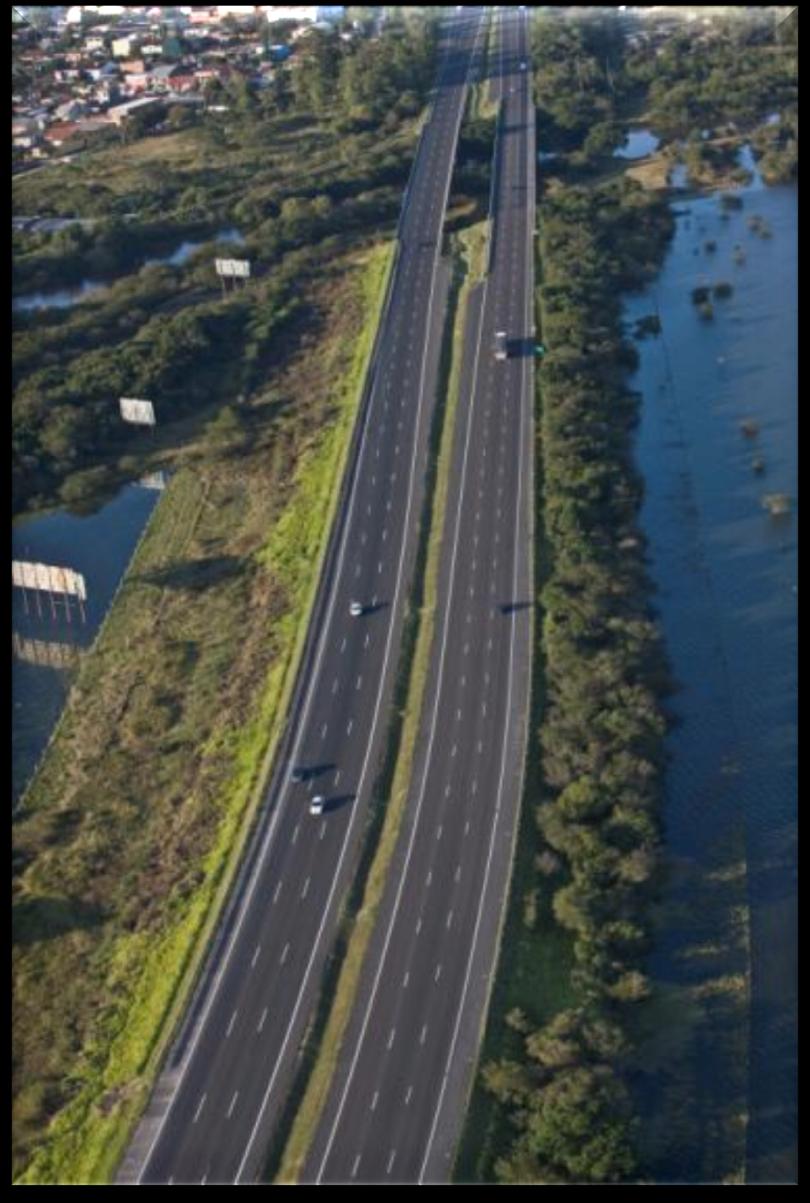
(468, 262)
(132, 829)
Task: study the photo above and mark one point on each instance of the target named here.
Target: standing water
(47, 640)
(726, 577)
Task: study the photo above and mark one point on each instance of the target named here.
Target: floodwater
(64, 298)
(638, 143)
(47, 638)
(727, 594)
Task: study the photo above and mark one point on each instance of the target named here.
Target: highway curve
(395, 1107)
(214, 1106)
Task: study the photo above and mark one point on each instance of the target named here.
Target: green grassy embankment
(131, 830)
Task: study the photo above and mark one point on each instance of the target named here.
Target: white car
(317, 804)
(524, 66)
(355, 609)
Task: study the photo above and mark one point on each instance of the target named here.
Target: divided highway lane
(213, 1112)
(395, 1108)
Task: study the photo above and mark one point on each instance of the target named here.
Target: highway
(396, 1104)
(215, 1104)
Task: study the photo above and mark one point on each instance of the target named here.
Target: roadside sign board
(142, 412)
(233, 267)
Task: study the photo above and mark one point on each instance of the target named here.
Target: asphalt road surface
(396, 1104)
(214, 1107)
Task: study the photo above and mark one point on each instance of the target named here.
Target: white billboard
(48, 578)
(233, 267)
(142, 412)
(153, 480)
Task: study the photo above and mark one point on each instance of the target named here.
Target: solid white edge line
(415, 824)
(259, 864)
(356, 811)
(460, 1011)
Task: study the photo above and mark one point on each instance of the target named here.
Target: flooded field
(718, 435)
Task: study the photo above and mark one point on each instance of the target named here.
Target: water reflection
(48, 639)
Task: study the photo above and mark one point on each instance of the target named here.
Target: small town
(91, 73)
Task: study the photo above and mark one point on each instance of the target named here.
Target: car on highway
(317, 804)
(356, 609)
(500, 345)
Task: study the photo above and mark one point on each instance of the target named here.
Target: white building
(304, 14)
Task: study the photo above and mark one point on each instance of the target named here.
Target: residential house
(121, 113)
(123, 47)
(61, 132)
(71, 110)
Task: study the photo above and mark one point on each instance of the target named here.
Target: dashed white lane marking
(374, 1100)
(391, 1036)
(390, 1165)
(230, 1025)
(323, 731)
(349, 726)
(233, 1103)
(467, 827)
(429, 877)
(474, 786)
(439, 831)
(366, 640)
(335, 685)
(276, 892)
(343, 644)
(480, 746)
(295, 834)
(359, 683)
(458, 713)
(449, 919)
(455, 749)
(357, 570)
(457, 874)
(323, 831)
(200, 1106)
(418, 925)
(256, 956)
(466, 648)
(484, 709)
(261, 1021)
(408, 1094)
(437, 973)
(306, 888)
(355, 1165)
(379, 566)
(284, 954)
(423, 1034)
(407, 977)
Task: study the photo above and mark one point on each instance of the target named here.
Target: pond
(727, 593)
(48, 640)
(64, 298)
(638, 143)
